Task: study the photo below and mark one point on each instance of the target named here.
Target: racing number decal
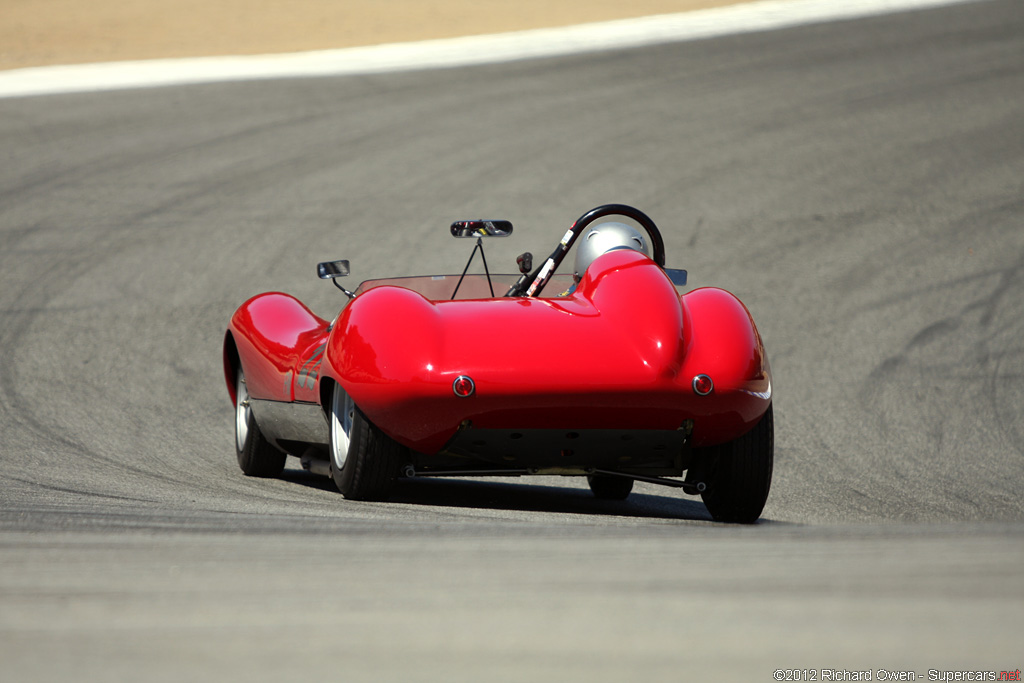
(310, 370)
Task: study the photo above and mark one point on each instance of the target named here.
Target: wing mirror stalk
(332, 270)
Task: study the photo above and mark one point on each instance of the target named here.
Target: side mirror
(481, 228)
(329, 270)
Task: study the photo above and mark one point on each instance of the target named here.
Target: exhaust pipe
(316, 466)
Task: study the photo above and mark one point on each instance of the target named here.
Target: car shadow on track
(519, 495)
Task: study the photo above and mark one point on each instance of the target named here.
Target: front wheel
(739, 474)
(364, 460)
(256, 456)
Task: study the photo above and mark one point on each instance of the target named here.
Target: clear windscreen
(443, 287)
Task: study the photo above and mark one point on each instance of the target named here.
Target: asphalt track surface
(857, 184)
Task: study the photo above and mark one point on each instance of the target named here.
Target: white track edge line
(763, 15)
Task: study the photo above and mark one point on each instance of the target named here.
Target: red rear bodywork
(621, 352)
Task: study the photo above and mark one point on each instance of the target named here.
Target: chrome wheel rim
(342, 412)
(242, 412)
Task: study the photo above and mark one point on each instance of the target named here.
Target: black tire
(739, 474)
(371, 461)
(609, 487)
(256, 456)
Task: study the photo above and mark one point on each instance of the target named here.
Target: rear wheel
(609, 487)
(256, 456)
(364, 460)
(739, 473)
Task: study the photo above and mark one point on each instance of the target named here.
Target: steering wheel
(533, 283)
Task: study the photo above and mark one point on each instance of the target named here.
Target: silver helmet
(605, 237)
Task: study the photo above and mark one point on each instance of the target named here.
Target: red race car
(617, 377)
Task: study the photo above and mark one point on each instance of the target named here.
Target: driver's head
(605, 237)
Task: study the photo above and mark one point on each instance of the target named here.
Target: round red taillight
(702, 385)
(463, 386)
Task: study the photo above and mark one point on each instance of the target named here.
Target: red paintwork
(620, 352)
(274, 333)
